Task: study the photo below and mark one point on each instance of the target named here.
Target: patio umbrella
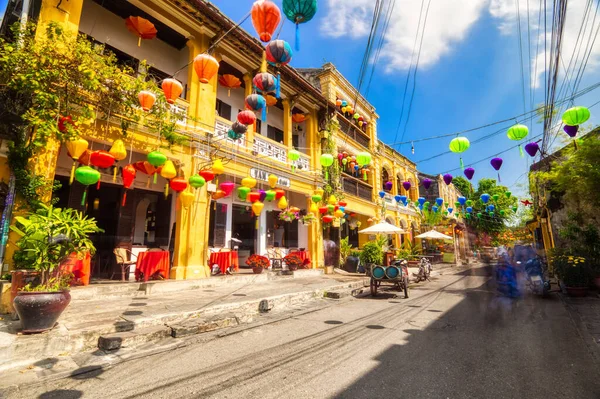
(382, 228)
(434, 235)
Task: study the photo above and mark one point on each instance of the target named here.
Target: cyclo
(395, 274)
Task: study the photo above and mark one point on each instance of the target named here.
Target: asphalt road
(453, 338)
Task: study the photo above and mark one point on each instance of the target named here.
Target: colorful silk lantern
(459, 145)
(327, 219)
(339, 214)
(141, 27)
(469, 202)
(279, 53)
(426, 183)
(293, 156)
(227, 187)
(447, 179)
(178, 184)
(461, 200)
(299, 11)
(230, 82)
(253, 196)
(246, 117)
(314, 209)
(363, 159)
(279, 193)
(485, 198)
(496, 197)
(326, 161)
(272, 179)
(507, 194)
(196, 181)
(64, 122)
(439, 201)
(517, 133)
(450, 210)
(532, 149)
(262, 195)
(249, 182)
(515, 208)
(388, 186)
(469, 173)
(217, 167)
(316, 198)
(217, 195)
(102, 159)
(207, 175)
(172, 89)
(571, 130)
(145, 167)
(206, 67)
(264, 82)
(168, 172)
(187, 199)
(257, 207)
(575, 116)
(146, 99)
(381, 194)
(265, 19)
(332, 200)
(496, 164)
(243, 192)
(270, 195)
(119, 153)
(282, 203)
(156, 159)
(256, 102)
(407, 185)
(87, 176)
(299, 118)
(128, 174)
(421, 200)
(75, 148)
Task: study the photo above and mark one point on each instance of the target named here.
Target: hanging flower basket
(288, 216)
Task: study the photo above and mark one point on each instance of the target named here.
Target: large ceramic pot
(293, 267)
(38, 311)
(577, 291)
(257, 270)
(351, 264)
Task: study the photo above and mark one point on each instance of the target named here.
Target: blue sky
(469, 73)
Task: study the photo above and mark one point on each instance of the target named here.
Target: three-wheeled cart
(396, 275)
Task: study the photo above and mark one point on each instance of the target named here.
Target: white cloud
(448, 22)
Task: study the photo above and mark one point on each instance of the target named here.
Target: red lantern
(265, 19)
(230, 82)
(279, 193)
(206, 66)
(102, 159)
(327, 219)
(146, 99)
(253, 196)
(172, 89)
(145, 167)
(342, 203)
(128, 174)
(63, 122)
(323, 210)
(207, 174)
(246, 117)
(178, 184)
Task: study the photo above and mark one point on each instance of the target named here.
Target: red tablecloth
(304, 255)
(150, 262)
(225, 260)
(79, 267)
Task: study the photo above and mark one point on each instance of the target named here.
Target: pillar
(202, 97)
(315, 241)
(68, 14)
(287, 123)
(313, 140)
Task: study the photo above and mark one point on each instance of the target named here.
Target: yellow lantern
(218, 169)
(168, 171)
(272, 180)
(119, 152)
(314, 209)
(332, 200)
(282, 204)
(76, 148)
(257, 207)
(186, 198)
(339, 214)
(249, 182)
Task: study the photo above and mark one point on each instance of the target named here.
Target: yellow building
(296, 121)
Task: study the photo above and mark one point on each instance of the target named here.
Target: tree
(463, 185)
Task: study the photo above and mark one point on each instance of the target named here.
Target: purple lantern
(263, 195)
(571, 130)
(532, 148)
(447, 179)
(388, 185)
(406, 185)
(426, 183)
(469, 172)
(496, 163)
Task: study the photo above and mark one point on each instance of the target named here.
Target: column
(313, 141)
(203, 97)
(68, 14)
(315, 242)
(287, 123)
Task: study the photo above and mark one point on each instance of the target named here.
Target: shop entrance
(243, 228)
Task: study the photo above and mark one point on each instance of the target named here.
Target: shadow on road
(61, 394)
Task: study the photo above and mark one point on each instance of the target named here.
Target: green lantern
(270, 195)
(508, 194)
(330, 208)
(363, 159)
(468, 216)
(460, 145)
(457, 204)
(243, 192)
(316, 198)
(326, 162)
(479, 215)
(515, 208)
(517, 133)
(575, 116)
(293, 156)
(502, 212)
(87, 176)
(156, 159)
(299, 11)
(196, 181)
(492, 214)
(426, 204)
(495, 197)
(469, 202)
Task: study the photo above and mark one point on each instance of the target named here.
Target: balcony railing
(222, 127)
(348, 128)
(357, 188)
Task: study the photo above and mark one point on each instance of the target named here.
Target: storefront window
(218, 224)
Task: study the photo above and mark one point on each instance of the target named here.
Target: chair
(122, 255)
(275, 257)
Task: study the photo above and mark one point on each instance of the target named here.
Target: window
(124, 60)
(217, 226)
(258, 126)
(295, 141)
(274, 134)
(223, 109)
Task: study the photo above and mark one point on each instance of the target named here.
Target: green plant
(371, 253)
(570, 269)
(345, 249)
(6, 276)
(49, 236)
(355, 253)
(412, 250)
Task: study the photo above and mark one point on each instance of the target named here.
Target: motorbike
(424, 272)
(535, 276)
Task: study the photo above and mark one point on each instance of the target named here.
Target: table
(79, 267)
(225, 260)
(151, 262)
(304, 255)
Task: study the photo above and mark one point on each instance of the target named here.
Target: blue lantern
(469, 209)
(434, 208)
(439, 201)
(450, 210)
(462, 200)
(421, 200)
(381, 194)
(491, 208)
(485, 198)
(398, 198)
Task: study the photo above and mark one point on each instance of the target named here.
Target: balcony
(267, 148)
(222, 126)
(357, 188)
(348, 128)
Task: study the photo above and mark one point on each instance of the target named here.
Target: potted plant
(48, 237)
(288, 215)
(371, 254)
(572, 272)
(293, 261)
(345, 248)
(258, 263)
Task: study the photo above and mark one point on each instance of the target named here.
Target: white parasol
(434, 235)
(382, 228)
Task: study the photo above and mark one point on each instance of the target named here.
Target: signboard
(264, 176)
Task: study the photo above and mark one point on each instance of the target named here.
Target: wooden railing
(348, 128)
(355, 187)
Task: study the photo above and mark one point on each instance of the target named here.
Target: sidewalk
(129, 319)
(585, 313)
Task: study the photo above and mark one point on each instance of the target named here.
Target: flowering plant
(258, 261)
(288, 216)
(293, 261)
(570, 269)
(308, 219)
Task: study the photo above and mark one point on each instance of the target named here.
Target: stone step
(114, 341)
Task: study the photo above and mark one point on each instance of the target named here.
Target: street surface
(453, 338)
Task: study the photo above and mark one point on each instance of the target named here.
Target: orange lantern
(141, 27)
(265, 19)
(299, 118)
(146, 99)
(230, 82)
(172, 89)
(271, 100)
(206, 66)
